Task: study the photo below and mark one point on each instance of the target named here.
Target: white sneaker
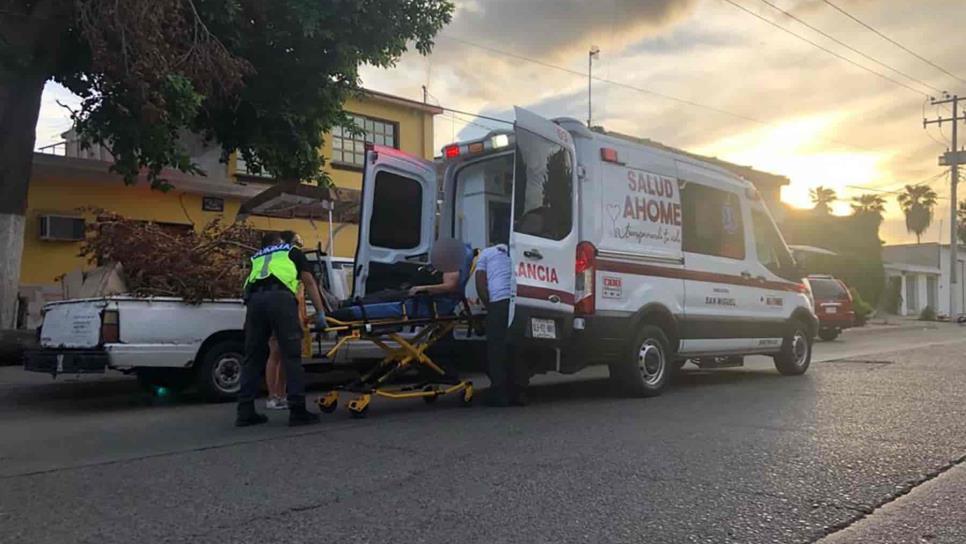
(276, 404)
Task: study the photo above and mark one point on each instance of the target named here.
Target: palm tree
(917, 203)
(870, 203)
(822, 197)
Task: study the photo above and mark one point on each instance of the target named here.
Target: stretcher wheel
(358, 407)
(467, 396)
(328, 402)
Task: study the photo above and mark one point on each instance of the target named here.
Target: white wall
(944, 282)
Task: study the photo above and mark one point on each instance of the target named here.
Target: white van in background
(624, 254)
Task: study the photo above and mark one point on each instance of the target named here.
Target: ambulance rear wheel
(647, 366)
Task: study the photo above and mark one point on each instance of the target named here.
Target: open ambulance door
(543, 240)
(397, 220)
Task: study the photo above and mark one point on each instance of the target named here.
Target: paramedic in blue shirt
(493, 285)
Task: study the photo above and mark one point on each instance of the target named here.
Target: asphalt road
(866, 447)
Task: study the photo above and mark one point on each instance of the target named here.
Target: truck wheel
(796, 353)
(219, 376)
(646, 369)
(828, 335)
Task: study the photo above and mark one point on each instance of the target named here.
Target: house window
(349, 149)
(241, 169)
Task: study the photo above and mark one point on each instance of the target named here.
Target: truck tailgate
(72, 325)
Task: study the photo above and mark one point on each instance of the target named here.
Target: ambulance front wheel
(646, 369)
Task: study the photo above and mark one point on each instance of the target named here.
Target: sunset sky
(793, 109)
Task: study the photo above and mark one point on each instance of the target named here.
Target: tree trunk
(19, 107)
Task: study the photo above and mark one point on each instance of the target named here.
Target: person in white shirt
(508, 379)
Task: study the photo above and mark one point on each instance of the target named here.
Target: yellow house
(67, 179)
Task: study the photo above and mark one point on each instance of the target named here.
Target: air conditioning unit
(61, 228)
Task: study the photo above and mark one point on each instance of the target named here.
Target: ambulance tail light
(586, 264)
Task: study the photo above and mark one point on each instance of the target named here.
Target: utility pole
(594, 53)
(952, 159)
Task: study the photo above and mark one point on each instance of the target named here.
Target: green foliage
(927, 314)
(822, 197)
(917, 203)
(863, 310)
(854, 239)
(264, 78)
(869, 203)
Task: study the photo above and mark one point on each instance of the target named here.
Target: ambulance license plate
(543, 328)
(831, 310)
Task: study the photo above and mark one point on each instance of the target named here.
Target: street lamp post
(591, 55)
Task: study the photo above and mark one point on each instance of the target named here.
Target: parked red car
(833, 305)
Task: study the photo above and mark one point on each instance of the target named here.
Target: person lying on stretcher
(448, 256)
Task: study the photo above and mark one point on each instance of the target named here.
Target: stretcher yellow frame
(401, 353)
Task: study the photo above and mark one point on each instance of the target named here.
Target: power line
(850, 48)
(634, 88)
(823, 48)
(895, 43)
(477, 115)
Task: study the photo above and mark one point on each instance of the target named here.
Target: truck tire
(647, 366)
(796, 353)
(219, 375)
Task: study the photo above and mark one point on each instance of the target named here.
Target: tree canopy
(917, 203)
(822, 197)
(265, 78)
(869, 203)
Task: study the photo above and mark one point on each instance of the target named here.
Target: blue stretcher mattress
(419, 307)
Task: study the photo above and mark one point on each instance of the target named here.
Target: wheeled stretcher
(405, 330)
(385, 324)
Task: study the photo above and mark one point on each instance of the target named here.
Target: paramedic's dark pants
(506, 378)
(274, 311)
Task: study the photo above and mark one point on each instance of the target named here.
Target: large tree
(264, 78)
(917, 203)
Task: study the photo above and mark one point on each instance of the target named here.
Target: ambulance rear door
(397, 220)
(543, 240)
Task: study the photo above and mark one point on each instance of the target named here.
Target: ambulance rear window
(543, 186)
(397, 212)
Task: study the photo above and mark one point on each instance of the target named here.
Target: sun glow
(798, 149)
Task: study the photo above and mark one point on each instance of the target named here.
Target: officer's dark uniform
(272, 308)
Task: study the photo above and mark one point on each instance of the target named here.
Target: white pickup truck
(165, 341)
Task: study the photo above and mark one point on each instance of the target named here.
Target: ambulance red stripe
(622, 267)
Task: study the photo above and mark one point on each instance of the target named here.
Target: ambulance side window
(712, 222)
(397, 212)
(771, 251)
(543, 185)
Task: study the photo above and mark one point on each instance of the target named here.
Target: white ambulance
(624, 254)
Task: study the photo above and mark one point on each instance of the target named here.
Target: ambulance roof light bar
(492, 142)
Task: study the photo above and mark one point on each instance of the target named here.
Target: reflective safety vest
(274, 261)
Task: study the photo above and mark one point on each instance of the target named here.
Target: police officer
(270, 291)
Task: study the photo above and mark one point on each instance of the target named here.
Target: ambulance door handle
(533, 254)
(746, 275)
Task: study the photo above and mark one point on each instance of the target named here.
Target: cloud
(552, 29)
